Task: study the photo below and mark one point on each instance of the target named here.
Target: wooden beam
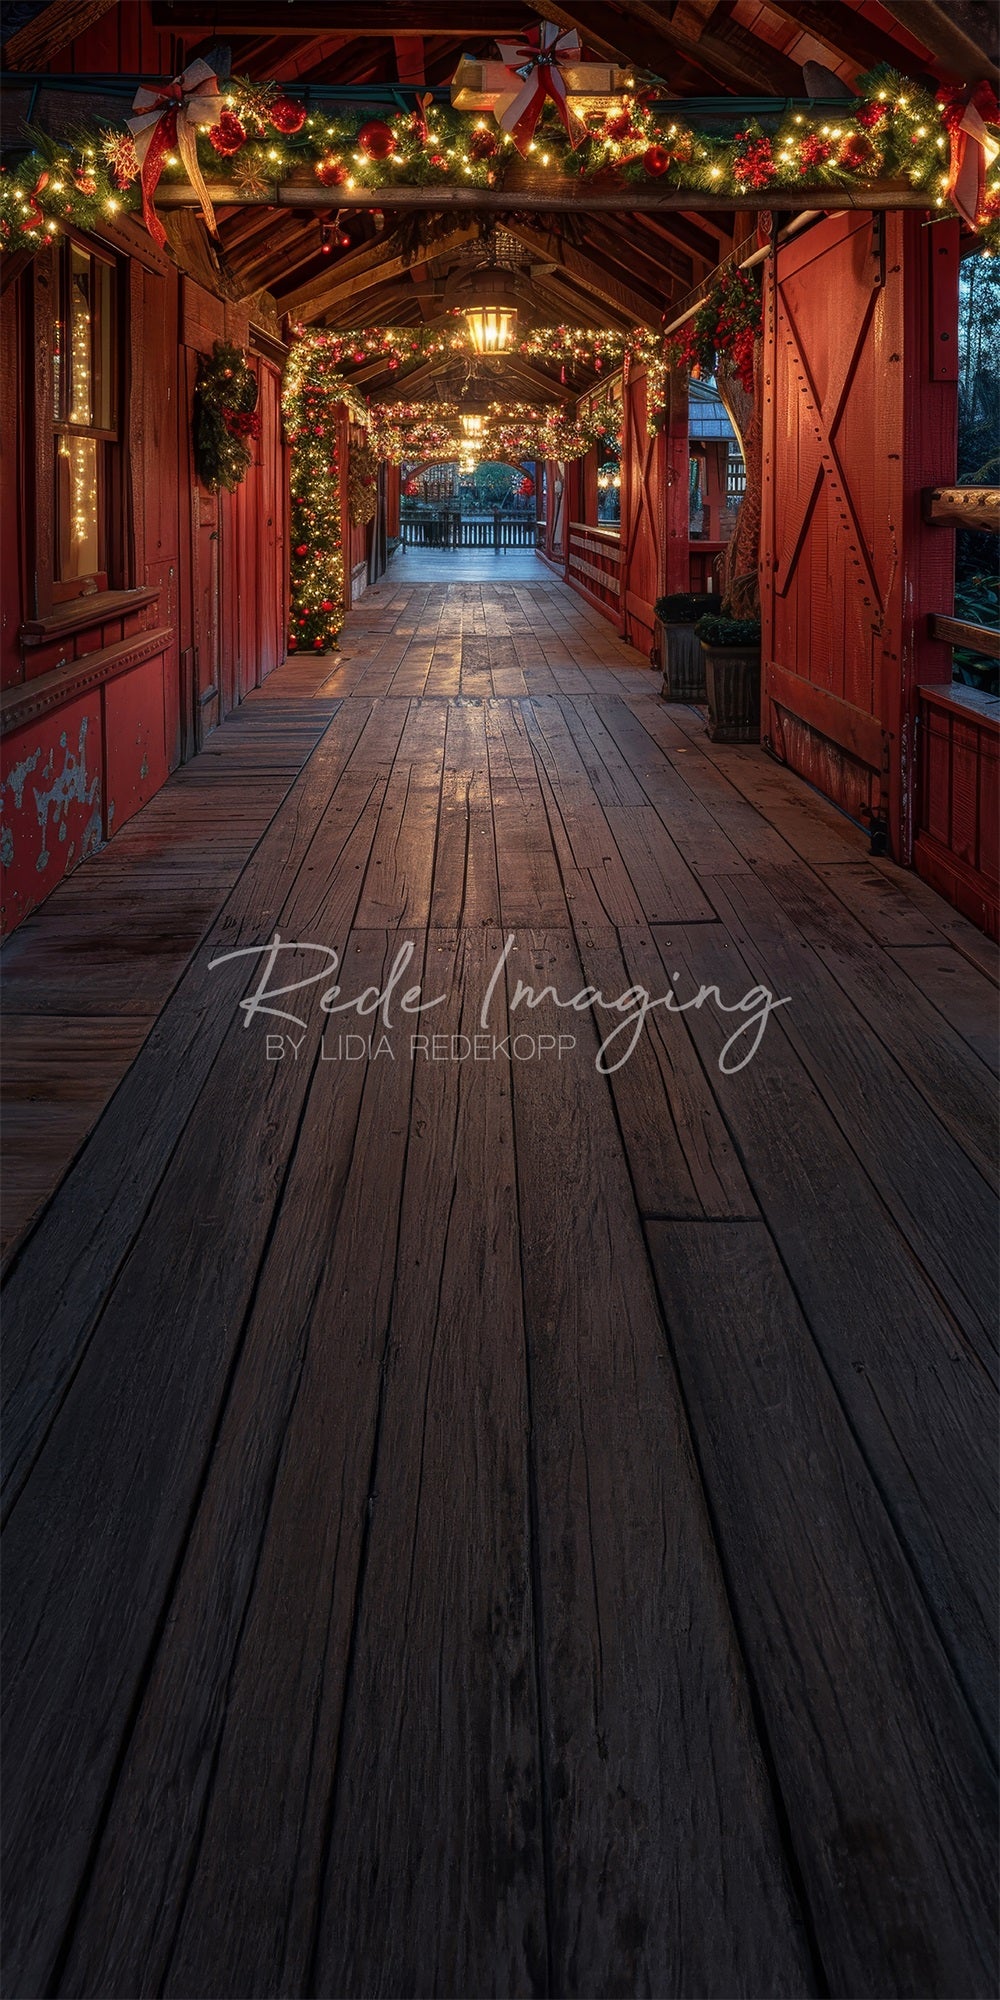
(939, 30)
(653, 259)
(543, 387)
(37, 44)
(646, 35)
(843, 30)
(591, 272)
(960, 632)
(554, 198)
(963, 507)
(409, 58)
(377, 261)
(694, 238)
(348, 17)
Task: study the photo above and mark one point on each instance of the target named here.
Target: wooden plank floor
(476, 1524)
(84, 978)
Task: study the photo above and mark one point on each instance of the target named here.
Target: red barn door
(644, 515)
(859, 414)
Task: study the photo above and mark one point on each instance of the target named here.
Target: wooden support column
(392, 497)
(677, 513)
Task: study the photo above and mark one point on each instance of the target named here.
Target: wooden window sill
(80, 612)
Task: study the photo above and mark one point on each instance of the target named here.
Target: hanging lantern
(472, 423)
(490, 308)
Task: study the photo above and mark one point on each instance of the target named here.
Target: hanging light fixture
(490, 309)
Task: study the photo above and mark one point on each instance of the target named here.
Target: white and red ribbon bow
(973, 148)
(168, 115)
(536, 72)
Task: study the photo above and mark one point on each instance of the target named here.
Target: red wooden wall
(97, 710)
(859, 414)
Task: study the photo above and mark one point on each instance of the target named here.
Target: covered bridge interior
(499, 1520)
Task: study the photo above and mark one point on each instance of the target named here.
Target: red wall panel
(51, 803)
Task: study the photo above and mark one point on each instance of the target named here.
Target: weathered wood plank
(640, 1813)
(922, 1408)
(439, 1792)
(466, 889)
(883, 1774)
(941, 1201)
(963, 997)
(73, 1255)
(296, 1404)
(953, 1081)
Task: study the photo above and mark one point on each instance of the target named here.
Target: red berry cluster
(753, 161)
(814, 151)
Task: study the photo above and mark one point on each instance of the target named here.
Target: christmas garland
(316, 566)
(403, 347)
(225, 416)
(727, 322)
(362, 484)
(510, 432)
(894, 130)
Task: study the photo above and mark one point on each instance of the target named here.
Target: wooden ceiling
(618, 270)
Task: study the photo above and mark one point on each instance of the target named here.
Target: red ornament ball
(857, 152)
(318, 645)
(303, 549)
(329, 171)
(227, 136)
(375, 139)
(656, 160)
(292, 642)
(287, 116)
(482, 145)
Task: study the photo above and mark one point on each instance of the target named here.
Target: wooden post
(343, 423)
(677, 528)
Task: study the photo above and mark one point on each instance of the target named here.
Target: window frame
(56, 424)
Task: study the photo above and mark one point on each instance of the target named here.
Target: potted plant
(680, 653)
(731, 650)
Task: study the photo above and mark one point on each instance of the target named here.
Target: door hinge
(878, 247)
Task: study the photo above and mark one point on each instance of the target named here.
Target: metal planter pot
(683, 666)
(732, 681)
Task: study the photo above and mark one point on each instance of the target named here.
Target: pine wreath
(225, 417)
(362, 484)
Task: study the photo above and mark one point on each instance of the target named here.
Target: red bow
(536, 74)
(965, 114)
(35, 216)
(168, 115)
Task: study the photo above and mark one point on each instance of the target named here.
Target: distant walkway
(464, 566)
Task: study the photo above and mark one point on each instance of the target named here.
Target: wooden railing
(595, 564)
(451, 530)
(958, 799)
(957, 807)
